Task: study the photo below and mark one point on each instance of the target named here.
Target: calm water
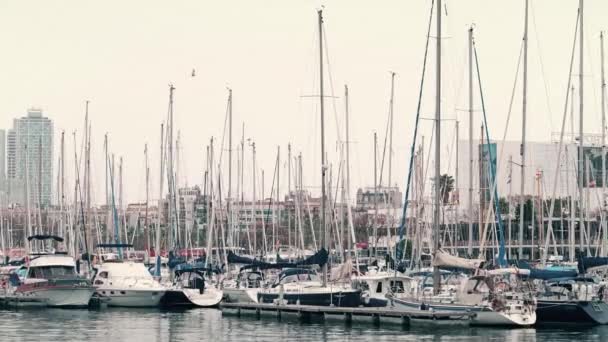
(209, 325)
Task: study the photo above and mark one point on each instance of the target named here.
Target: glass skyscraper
(30, 154)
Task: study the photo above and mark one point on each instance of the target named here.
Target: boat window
(103, 274)
(397, 286)
(46, 272)
(379, 287)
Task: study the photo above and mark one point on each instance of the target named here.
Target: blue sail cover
(319, 258)
(536, 273)
(585, 263)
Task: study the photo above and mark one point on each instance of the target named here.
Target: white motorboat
(48, 280)
(127, 284)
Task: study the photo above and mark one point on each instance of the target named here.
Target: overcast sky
(121, 55)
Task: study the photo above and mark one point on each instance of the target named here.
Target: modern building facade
(30, 156)
(3, 184)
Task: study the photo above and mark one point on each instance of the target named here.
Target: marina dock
(378, 316)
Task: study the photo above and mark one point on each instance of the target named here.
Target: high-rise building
(2, 168)
(30, 154)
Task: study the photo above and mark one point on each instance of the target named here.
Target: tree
(446, 186)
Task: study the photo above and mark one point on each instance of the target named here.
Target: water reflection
(209, 325)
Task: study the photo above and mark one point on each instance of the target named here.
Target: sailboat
(305, 286)
(492, 304)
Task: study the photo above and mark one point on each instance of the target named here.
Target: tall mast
(581, 165)
(522, 150)
(375, 231)
(28, 223)
(603, 90)
(390, 130)
(276, 204)
(109, 230)
(87, 147)
(160, 204)
(436, 213)
(62, 185)
(289, 194)
(390, 153)
(170, 184)
(470, 246)
(253, 205)
(322, 107)
(571, 231)
(146, 230)
(229, 197)
(346, 109)
(121, 215)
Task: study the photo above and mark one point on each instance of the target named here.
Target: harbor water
(209, 325)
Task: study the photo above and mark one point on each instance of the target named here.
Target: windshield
(47, 272)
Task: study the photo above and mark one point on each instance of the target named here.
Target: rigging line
(398, 248)
(494, 196)
(504, 137)
(561, 136)
(542, 68)
(331, 84)
(271, 202)
(388, 121)
(219, 162)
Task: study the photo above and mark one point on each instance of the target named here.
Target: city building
(30, 155)
(3, 184)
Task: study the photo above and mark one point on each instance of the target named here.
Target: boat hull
(574, 312)
(232, 295)
(132, 298)
(191, 298)
(347, 298)
(484, 316)
(66, 296)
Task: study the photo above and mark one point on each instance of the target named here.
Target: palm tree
(446, 186)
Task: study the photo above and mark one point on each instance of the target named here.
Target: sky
(122, 56)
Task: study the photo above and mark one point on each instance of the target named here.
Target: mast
(28, 223)
(160, 204)
(170, 173)
(436, 213)
(346, 108)
(109, 231)
(147, 231)
(253, 205)
(390, 155)
(603, 89)
(62, 184)
(470, 246)
(581, 165)
(87, 169)
(289, 194)
(321, 103)
(229, 197)
(276, 204)
(522, 150)
(375, 196)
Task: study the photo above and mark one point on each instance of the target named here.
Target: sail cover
(445, 260)
(319, 258)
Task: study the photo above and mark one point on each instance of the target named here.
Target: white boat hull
(74, 297)
(233, 295)
(133, 298)
(493, 318)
